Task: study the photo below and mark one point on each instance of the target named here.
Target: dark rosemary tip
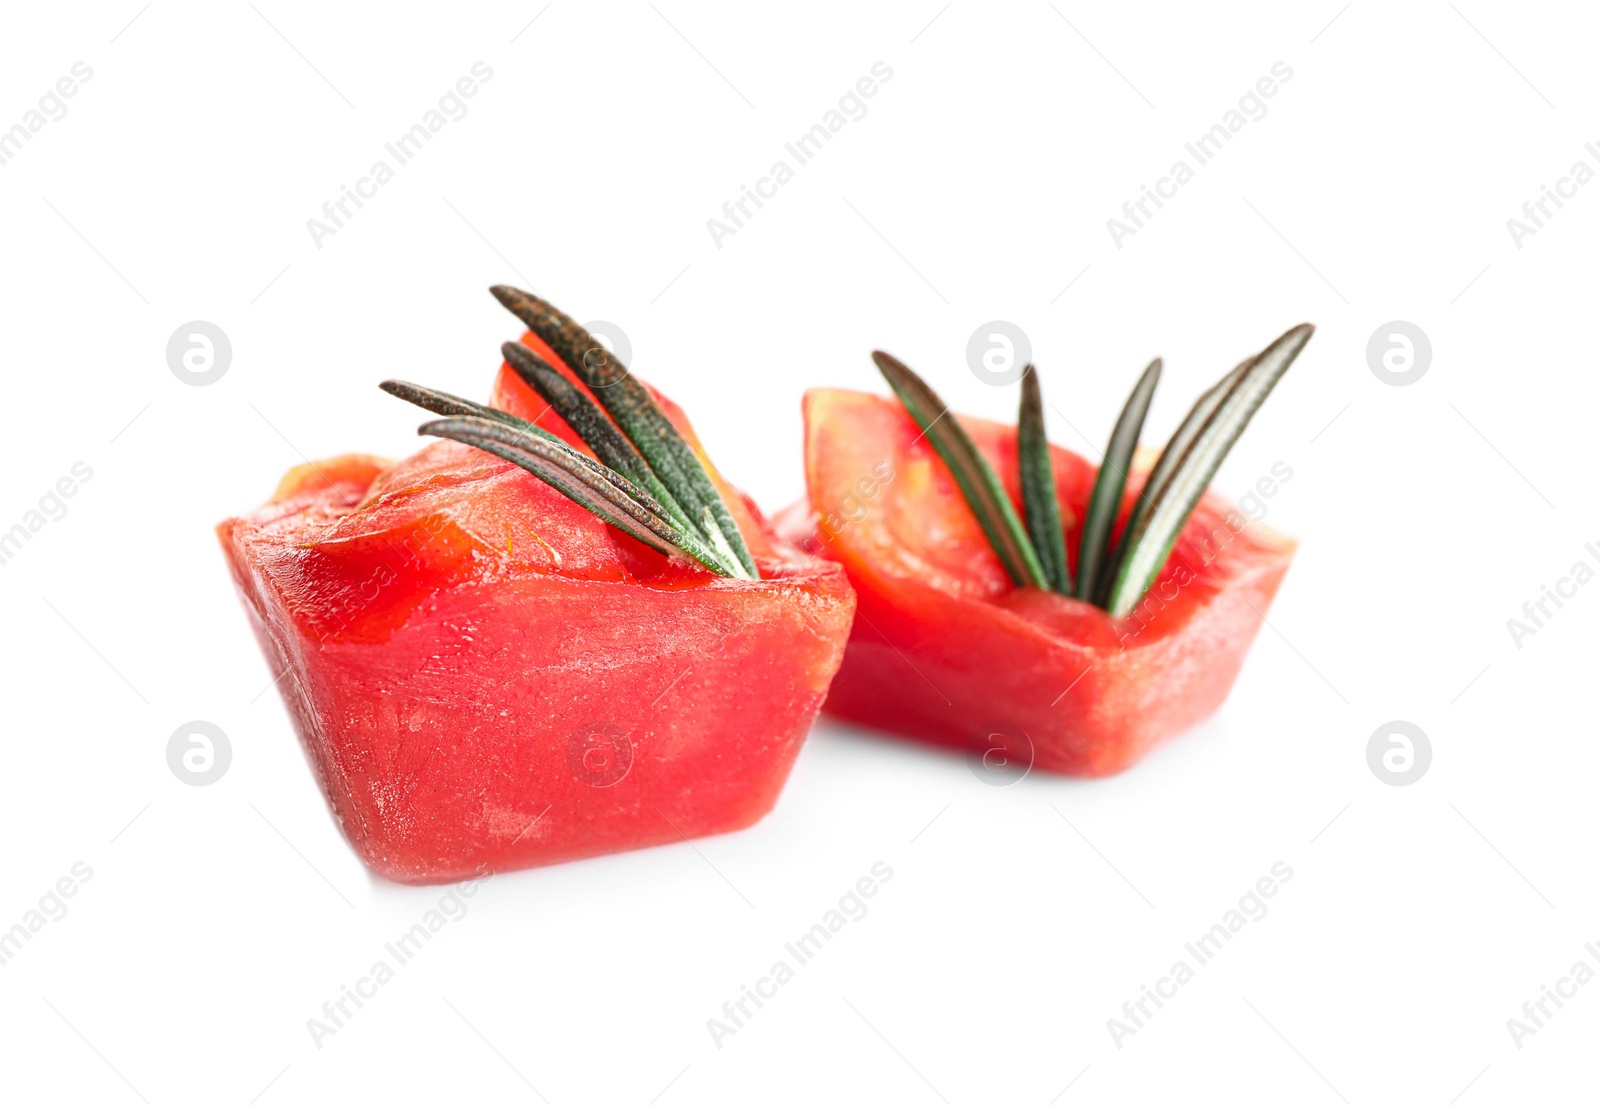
(433, 400)
(510, 296)
(526, 362)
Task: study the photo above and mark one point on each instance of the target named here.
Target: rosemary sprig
(719, 544)
(1113, 576)
(1112, 479)
(973, 474)
(441, 403)
(1161, 473)
(1175, 501)
(589, 484)
(591, 424)
(1039, 503)
(448, 404)
(635, 412)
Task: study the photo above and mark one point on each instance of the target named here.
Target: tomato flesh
(484, 676)
(947, 650)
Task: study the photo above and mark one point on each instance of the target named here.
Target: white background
(1019, 920)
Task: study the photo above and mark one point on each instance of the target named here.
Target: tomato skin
(946, 650)
(485, 677)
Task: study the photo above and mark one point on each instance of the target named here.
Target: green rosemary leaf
(719, 542)
(593, 426)
(588, 484)
(634, 410)
(1161, 473)
(1039, 503)
(1094, 549)
(977, 480)
(448, 404)
(1175, 502)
